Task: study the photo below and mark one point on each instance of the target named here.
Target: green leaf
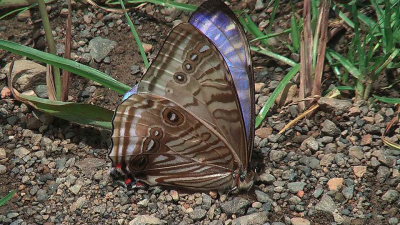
(67, 64)
(270, 102)
(345, 63)
(295, 33)
(387, 99)
(7, 198)
(75, 112)
(273, 55)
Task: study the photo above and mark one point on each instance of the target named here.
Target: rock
(299, 221)
(41, 91)
(326, 204)
(384, 158)
(258, 87)
(311, 143)
(21, 152)
(276, 155)
(390, 196)
(366, 139)
(359, 171)
(198, 214)
(42, 195)
(330, 128)
(255, 218)
(5, 92)
(3, 153)
(75, 189)
(145, 220)
(335, 104)
(348, 192)
(174, 194)
(267, 178)
(318, 192)
(100, 48)
(236, 206)
(295, 187)
(144, 202)
(89, 165)
(263, 132)
(147, 47)
(327, 159)
(207, 201)
(27, 74)
(335, 184)
(3, 169)
(262, 196)
(135, 69)
(356, 152)
(383, 173)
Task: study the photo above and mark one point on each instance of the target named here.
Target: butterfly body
(184, 124)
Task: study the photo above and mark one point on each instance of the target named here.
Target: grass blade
(270, 102)
(252, 28)
(136, 36)
(273, 55)
(345, 63)
(387, 99)
(67, 64)
(7, 198)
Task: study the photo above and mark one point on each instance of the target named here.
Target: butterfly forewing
(215, 20)
(162, 143)
(190, 71)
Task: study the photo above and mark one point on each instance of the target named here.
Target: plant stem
(51, 44)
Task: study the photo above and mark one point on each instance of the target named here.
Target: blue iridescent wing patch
(133, 91)
(215, 20)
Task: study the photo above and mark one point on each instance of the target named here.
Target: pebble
(21, 152)
(329, 128)
(335, 184)
(359, 171)
(3, 169)
(255, 218)
(326, 204)
(390, 196)
(100, 48)
(198, 214)
(236, 206)
(299, 221)
(295, 187)
(145, 219)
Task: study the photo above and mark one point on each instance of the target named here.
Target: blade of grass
(252, 28)
(387, 99)
(270, 102)
(344, 62)
(295, 33)
(136, 36)
(273, 55)
(271, 35)
(174, 4)
(67, 64)
(51, 45)
(7, 198)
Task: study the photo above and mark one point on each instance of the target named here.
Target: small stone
(311, 143)
(295, 187)
(356, 151)
(198, 214)
(5, 92)
(264, 132)
(366, 139)
(256, 205)
(259, 86)
(318, 192)
(75, 189)
(330, 128)
(41, 91)
(236, 206)
(27, 73)
(326, 204)
(335, 104)
(135, 69)
(276, 155)
(78, 203)
(359, 171)
(383, 173)
(3, 153)
(100, 48)
(144, 202)
(3, 169)
(393, 221)
(348, 192)
(327, 159)
(21, 152)
(299, 221)
(255, 218)
(174, 194)
(335, 184)
(42, 195)
(145, 219)
(262, 196)
(147, 47)
(267, 178)
(390, 196)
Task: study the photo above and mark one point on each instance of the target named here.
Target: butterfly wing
(215, 20)
(190, 71)
(160, 142)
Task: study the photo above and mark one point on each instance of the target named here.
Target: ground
(331, 168)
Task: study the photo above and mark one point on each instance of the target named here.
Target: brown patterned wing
(190, 71)
(159, 142)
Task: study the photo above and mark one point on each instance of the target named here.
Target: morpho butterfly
(189, 123)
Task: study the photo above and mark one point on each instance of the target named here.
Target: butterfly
(189, 122)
